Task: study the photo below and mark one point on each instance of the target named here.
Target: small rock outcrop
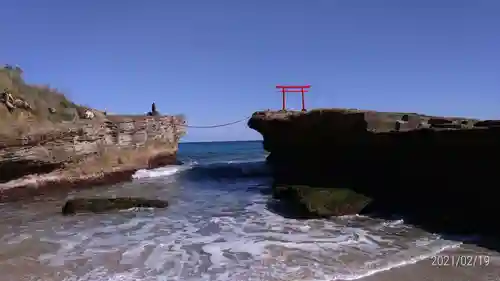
(12, 103)
(309, 201)
(439, 169)
(100, 205)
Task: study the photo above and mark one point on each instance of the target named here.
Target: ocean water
(219, 226)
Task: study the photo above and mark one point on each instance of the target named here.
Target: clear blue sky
(218, 61)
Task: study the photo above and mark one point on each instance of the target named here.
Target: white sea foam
(254, 245)
(212, 234)
(158, 172)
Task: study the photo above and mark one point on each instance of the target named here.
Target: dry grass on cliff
(20, 124)
(41, 98)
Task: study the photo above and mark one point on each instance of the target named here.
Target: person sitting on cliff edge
(153, 111)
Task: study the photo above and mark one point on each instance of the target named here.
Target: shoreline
(428, 269)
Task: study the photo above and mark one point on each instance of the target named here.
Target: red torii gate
(294, 89)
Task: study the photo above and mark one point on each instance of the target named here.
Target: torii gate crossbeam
(293, 89)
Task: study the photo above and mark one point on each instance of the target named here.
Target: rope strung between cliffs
(215, 126)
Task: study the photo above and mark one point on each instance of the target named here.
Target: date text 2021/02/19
(460, 260)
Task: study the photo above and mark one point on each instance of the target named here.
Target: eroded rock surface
(439, 168)
(86, 152)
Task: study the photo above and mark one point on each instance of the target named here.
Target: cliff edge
(48, 142)
(437, 170)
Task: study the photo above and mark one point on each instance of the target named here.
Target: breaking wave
(210, 171)
(159, 172)
(228, 170)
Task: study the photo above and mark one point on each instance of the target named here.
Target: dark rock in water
(323, 202)
(98, 205)
(438, 171)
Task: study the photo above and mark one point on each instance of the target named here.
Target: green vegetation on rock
(323, 201)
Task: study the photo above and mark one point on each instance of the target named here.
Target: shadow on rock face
(305, 202)
(437, 173)
(473, 232)
(99, 205)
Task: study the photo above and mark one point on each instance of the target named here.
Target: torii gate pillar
(293, 89)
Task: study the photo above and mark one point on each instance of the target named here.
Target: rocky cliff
(49, 142)
(436, 170)
(86, 152)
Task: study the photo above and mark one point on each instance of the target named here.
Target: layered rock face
(86, 152)
(339, 161)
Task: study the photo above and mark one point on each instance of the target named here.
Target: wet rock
(99, 205)
(323, 202)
